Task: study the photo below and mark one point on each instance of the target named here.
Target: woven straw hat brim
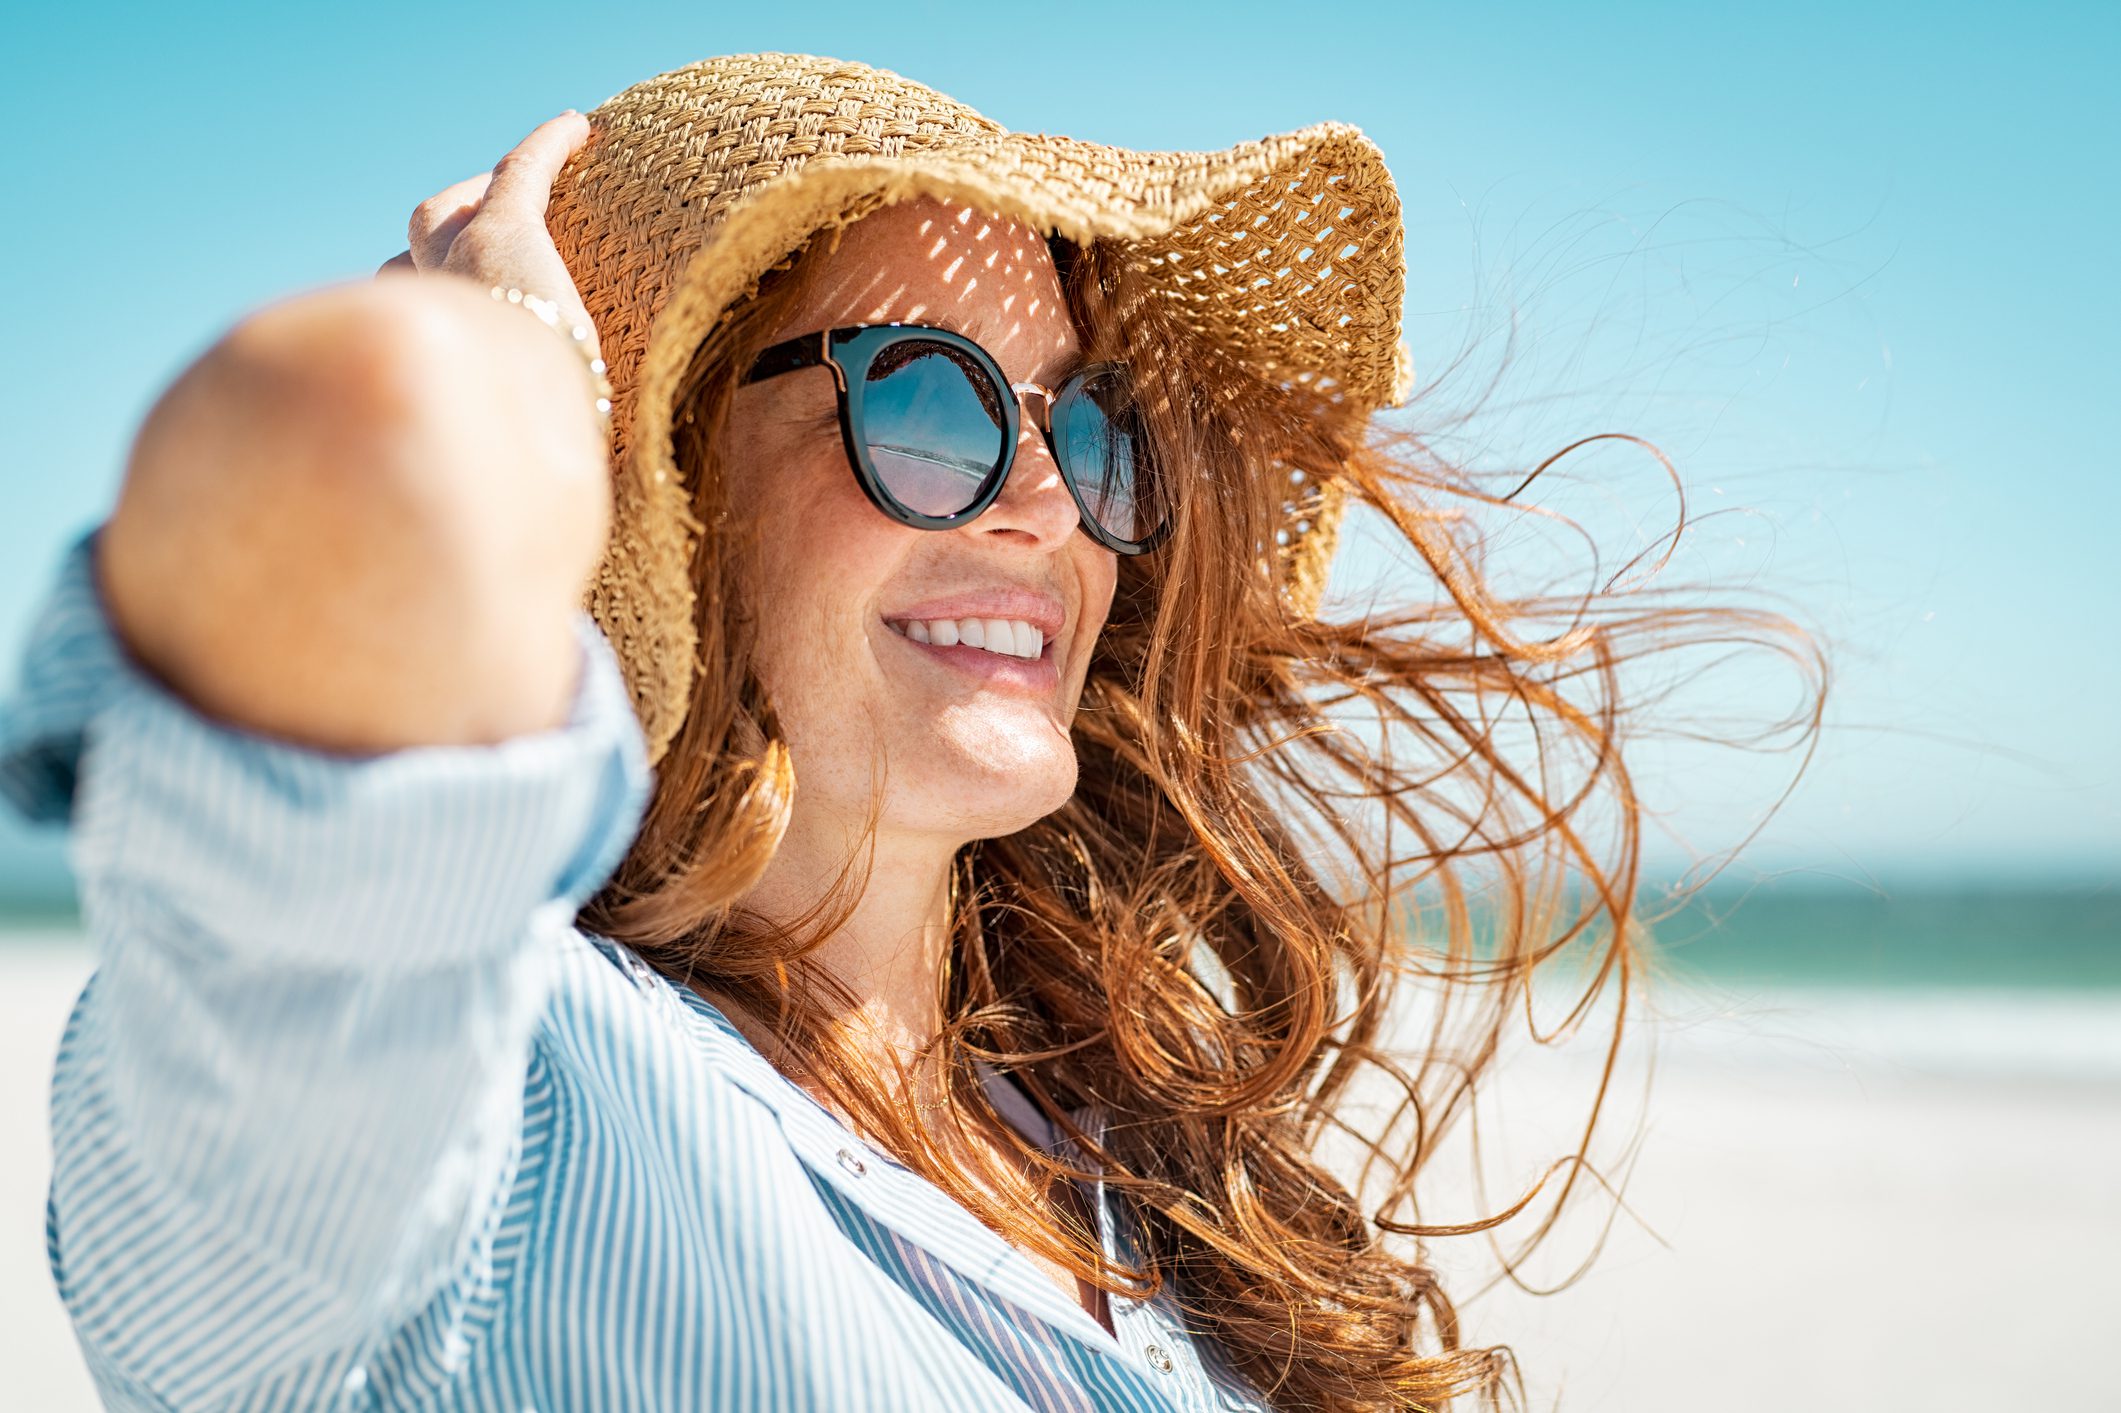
(1286, 252)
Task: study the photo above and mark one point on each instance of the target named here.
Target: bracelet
(577, 338)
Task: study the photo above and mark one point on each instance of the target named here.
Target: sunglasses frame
(850, 350)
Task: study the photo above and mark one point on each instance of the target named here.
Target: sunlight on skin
(1026, 270)
(959, 755)
(959, 752)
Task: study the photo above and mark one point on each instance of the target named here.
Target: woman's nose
(1034, 503)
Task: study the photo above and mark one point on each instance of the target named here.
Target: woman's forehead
(927, 261)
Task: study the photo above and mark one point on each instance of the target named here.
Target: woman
(954, 1016)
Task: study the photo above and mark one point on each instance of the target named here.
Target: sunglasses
(931, 425)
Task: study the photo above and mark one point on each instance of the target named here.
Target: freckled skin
(959, 761)
(862, 708)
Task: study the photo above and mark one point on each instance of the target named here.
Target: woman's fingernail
(567, 113)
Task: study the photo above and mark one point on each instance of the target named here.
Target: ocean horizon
(1801, 931)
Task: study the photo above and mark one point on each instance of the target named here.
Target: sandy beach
(1842, 1201)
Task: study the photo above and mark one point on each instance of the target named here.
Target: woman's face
(963, 742)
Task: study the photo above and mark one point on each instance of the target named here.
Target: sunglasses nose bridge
(1045, 402)
(1044, 503)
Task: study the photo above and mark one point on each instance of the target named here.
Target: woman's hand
(491, 227)
(400, 493)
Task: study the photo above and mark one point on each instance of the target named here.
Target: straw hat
(1286, 252)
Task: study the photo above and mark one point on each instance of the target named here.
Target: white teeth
(1010, 637)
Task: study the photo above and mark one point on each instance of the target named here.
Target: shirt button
(1158, 1360)
(851, 1163)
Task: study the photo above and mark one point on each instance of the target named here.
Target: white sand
(1865, 1202)
(39, 1362)
(1871, 1203)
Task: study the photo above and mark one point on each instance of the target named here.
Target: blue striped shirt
(351, 1114)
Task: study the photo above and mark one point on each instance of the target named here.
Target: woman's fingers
(522, 180)
(491, 227)
(514, 194)
(436, 221)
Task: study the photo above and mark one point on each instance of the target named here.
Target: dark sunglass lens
(1101, 439)
(933, 425)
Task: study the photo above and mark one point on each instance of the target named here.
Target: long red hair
(1281, 823)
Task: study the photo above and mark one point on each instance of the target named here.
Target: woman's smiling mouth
(1001, 652)
(1010, 637)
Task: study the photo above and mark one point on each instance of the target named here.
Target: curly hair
(1212, 939)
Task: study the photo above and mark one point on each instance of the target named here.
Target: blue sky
(1852, 270)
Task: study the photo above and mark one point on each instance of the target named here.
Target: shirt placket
(1143, 1342)
(1149, 1332)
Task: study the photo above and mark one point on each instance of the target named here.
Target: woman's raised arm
(364, 517)
(342, 755)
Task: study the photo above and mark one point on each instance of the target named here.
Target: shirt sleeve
(291, 1092)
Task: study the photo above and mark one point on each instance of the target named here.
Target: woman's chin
(981, 797)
